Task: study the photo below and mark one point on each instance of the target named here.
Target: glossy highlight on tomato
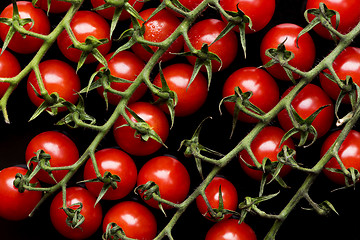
(230, 229)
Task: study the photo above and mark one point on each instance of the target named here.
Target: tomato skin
(349, 15)
(85, 24)
(14, 205)
(41, 25)
(205, 32)
(170, 175)
(190, 99)
(61, 148)
(346, 64)
(304, 55)
(92, 214)
(265, 145)
(117, 163)
(228, 193)
(306, 102)
(230, 227)
(260, 12)
(56, 6)
(348, 153)
(157, 29)
(109, 12)
(9, 67)
(58, 76)
(264, 88)
(136, 220)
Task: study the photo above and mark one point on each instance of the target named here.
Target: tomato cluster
(133, 173)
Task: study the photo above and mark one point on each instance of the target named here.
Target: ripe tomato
(56, 6)
(191, 98)
(58, 76)
(348, 153)
(134, 145)
(136, 220)
(264, 88)
(85, 24)
(41, 25)
(228, 193)
(9, 67)
(306, 102)
(205, 32)
(117, 163)
(125, 65)
(346, 64)
(109, 12)
(91, 212)
(304, 55)
(15, 205)
(260, 12)
(349, 15)
(61, 148)
(230, 229)
(265, 145)
(170, 175)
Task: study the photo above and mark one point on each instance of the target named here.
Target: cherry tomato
(15, 205)
(260, 12)
(346, 64)
(348, 153)
(117, 163)
(9, 67)
(125, 65)
(61, 148)
(349, 15)
(190, 98)
(85, 24)
(263, 87)
(205, 32)
(304, 55)
(170, 175)
(108, 13)
(41, 25)
(56, 6)
(91, 212)
(157, 29)
(230, 229)
(265, 145)
(306, 102)
(57, 76)
(136, 220)
(228, 193)
(134, 145)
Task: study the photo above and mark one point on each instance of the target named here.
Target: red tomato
(109, 12)
(190, 99)
(9, 67)
(15, 205)
(56, 6)
(85, 24)
(228, 193)
(61, 148)
(304, 55)
(205, 32)
(349, 154)
(125, 65)
(134, 145)
(306, 102)
(170, 175)
(230, 229)
(265, 145)
(58, 76)
(349, 15)
(157, 29)
(91, 212)
(259, 82)
(135, 219)
(41, 25)
(260, 12)
(346, 64)
(117, 163)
